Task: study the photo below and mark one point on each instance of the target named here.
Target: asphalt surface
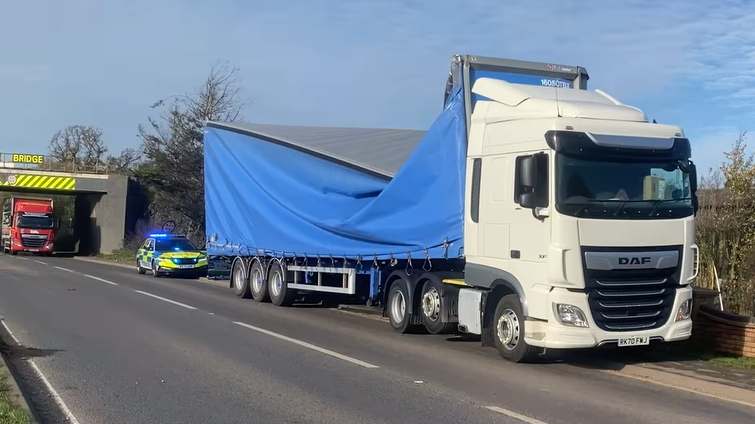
(115, 353)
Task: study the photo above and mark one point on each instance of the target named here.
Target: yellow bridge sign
(44, 182)
(23, 158)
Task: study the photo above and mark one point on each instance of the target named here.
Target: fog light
(570, 315)
(685, 310)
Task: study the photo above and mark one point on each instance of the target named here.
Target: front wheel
(155, 270)
(508, 331)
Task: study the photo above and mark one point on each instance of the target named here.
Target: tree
(726, 228)
(78, 147)
(174, 148)
(124, 163)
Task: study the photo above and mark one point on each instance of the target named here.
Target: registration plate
(32, 250)
(186, 266)
(634, 341)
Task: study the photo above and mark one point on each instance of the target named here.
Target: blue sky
(372, 63)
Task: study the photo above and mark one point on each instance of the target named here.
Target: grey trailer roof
(377, 151)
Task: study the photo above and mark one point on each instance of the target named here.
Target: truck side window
(542, 180)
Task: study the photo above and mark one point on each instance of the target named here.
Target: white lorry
(539, 215)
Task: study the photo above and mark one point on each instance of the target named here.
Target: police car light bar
(158, 235)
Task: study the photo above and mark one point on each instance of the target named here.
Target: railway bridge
(101, 216)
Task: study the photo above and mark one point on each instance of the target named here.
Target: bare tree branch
(174, 145)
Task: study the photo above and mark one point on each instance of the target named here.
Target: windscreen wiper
(658, 202)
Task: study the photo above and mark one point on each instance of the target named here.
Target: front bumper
(200, 271)
(552, 334)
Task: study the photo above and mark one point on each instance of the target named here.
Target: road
(128, 348)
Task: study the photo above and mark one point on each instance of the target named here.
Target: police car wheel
(155, 272)
(139, 268)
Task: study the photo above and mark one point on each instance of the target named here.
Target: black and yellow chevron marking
(43, 182)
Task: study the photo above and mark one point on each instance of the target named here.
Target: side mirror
(528, 172)
(528, 200)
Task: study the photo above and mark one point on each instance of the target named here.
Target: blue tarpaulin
(266, 196)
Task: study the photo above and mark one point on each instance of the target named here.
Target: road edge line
(685, 383)
(38, 372)
(18, 396)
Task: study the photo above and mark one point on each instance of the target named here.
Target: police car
(170, 254)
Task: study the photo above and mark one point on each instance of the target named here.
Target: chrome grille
(33, 241)
(631, 299)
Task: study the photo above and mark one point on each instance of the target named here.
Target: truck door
(507, 231)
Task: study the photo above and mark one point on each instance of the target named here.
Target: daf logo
(634, 261)
(607, 260)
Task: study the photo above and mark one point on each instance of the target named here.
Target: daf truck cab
(28, 225)
(580, 225)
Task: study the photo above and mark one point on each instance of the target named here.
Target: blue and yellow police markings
(45, 182)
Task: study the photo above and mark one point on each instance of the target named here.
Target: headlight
(685, 310)
(570, 315)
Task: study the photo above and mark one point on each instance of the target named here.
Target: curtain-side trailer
(533, 212)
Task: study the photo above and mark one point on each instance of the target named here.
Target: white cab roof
(517, 101)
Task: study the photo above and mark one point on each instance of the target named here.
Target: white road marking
(63, 269)
(513, 414)
(183, 305)
(307, 345)
(40, 262)
(100, 279)
(53, 393)
(12, 336)
(21, 258)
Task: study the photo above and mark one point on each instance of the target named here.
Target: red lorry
(28, 225)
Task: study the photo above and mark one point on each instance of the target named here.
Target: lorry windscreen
(607, 189)
(35, 222)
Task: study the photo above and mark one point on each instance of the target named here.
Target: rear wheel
(240, 282)
(280, 294)
(399, 308)
(508, 331)
(431, 302)
(139, 268)
(259, 287)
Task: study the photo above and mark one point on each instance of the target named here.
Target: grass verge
(120, 256)
(730, 361)
(10, 412)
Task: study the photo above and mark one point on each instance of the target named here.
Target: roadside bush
(725, 227)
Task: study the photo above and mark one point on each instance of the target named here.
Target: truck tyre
(240, 281)
(508, 331)
(399, 309)
(280, 294)
(431, 304)
(259, 287)
(139, 268)
(13, 252)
